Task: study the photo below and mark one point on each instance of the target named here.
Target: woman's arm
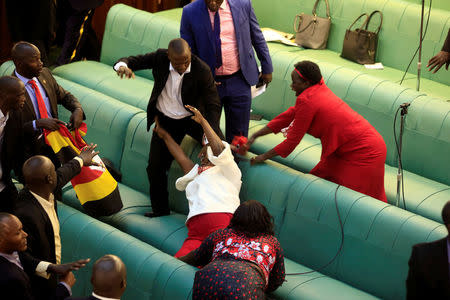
(213, 139)
(185, 163)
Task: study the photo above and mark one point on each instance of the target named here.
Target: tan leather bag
(312, 31)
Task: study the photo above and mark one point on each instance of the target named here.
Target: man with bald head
(16, 266)
(181, 78)
(43, 94)
(12, 98)
(109, 279)
(36, 206)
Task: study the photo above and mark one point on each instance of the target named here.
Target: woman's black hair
(309, 70)
(252, 219)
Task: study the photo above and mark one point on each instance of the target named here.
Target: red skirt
(358, 166)
(199, 227)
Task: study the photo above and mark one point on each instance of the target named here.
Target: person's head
(179, 54)
(27, 59)
(305, 74)
(109, 277)
(39, 174)
(252, 219)
(446, 215)
(213, 5)
(12, 236)
(12, 94)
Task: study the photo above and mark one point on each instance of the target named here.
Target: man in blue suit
(223, 33)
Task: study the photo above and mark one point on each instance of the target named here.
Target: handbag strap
(365, 22)
(370, 17)
(315, 7)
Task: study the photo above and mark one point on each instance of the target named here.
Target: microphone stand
(419, 62)
(403, 113)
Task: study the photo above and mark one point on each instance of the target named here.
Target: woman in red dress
(353, 152)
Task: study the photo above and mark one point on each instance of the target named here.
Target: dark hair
(446, 213)
(309, 70)
(252, 219)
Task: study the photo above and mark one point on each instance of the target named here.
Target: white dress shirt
(49, 207)
(3, 120)
(103, 298)
(169, 102)
(215, 189)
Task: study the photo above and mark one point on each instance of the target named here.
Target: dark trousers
(236, 98)
(160, 158)
(8, 197)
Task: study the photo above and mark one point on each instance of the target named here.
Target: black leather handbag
(360, 45)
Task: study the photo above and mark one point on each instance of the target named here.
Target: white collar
(44, 202)
(188, 70)
(103, 298)
(2, 115)
(224, 4)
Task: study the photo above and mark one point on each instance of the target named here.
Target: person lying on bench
(212, 187)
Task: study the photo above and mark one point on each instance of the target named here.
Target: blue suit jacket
(196, 29)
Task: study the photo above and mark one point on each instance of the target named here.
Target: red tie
(40, 101)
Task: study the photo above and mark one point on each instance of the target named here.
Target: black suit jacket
(15, 282)
(84, 298)
(22, 140)
(36, 223)
(198, 88)
(446, 46)
(428, 276)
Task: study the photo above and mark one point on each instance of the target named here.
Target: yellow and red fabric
(95, 187)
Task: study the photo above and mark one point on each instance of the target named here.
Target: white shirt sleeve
(41, 269)
(182, 182)
(225, 157)
(120, 64)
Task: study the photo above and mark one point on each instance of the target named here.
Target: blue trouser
(236, 98)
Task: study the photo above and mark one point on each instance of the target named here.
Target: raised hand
(125, 71)
(437, 61)
(66, 268)
(197, 117)
(87, 154)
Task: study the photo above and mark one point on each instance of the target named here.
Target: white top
(3, 120)
(103, 298)
(169, 102)
(215, 190)
(49, 207)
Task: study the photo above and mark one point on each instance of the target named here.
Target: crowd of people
(212, 66)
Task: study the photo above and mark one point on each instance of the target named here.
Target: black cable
(423, 37)
(342, 239)
(399, 154)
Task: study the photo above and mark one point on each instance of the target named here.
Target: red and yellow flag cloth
(96, 189)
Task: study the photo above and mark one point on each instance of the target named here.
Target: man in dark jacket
(429, 267)
(181, 78)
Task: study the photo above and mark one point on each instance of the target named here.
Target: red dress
(353, 152)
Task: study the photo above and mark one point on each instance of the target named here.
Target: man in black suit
(109, 278)
(181, 78)
(16, 266)
(37, 209)
(429, 267)
(24, 129)
(12, 97)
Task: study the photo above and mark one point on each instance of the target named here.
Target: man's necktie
(40, 101)
(218, 41)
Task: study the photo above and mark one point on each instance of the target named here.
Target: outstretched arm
(185, 163)
(213, 139)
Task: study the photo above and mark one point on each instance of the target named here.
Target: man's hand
(87, 154)
(125, 71)
(197, 117)
(267, 78)
(437, 61)
(257, 159)
(69, 279)
(76, 118)
(66, 268)
(161, 132)
(51, 124)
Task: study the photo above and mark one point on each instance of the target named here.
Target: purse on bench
(312, 31)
